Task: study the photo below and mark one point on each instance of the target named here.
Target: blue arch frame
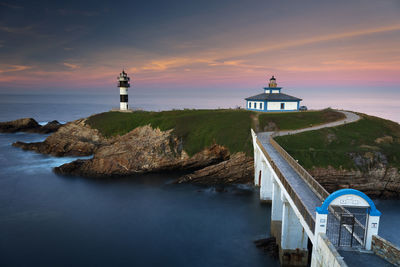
(324, 208)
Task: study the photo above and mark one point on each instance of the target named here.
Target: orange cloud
(71, 66)
(12, 68)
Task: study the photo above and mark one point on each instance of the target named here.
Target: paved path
(350, 117)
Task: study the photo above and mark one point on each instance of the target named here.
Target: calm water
(50, 220)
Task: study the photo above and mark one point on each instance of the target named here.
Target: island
(213, 147)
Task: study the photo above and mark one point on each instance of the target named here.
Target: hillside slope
(201, 128)
(364, 155)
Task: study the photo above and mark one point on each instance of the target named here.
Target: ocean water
(50, 220)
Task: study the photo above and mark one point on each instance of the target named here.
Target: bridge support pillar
(293, 250)
(266, 183)
(257, 168)
(276, 212)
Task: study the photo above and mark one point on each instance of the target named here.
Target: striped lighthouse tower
(123, 84)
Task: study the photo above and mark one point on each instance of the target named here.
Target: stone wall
(325, 254)
(386, 250)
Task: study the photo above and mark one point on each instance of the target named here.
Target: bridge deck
(307, 196)
(311, 201)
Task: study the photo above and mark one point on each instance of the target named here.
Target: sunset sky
(312, 47)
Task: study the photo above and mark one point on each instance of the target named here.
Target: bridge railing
(316, 187)
(312, 183)
(307, 216)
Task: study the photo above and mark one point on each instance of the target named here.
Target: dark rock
(238, 169)
(28, 125)
(72, 139)
(50, 127)
(268, 245)
(69, 168)
(143, 150)
(220, 189)
(377, 182)
(23, 125)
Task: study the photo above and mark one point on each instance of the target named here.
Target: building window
(254, 105)
(282, 105)
(260, 105)
(249, 104)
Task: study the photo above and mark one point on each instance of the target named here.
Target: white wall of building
(277, 106)
(259, 105)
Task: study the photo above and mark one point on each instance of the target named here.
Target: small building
(272, 100)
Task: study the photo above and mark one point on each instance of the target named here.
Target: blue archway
(324, 208)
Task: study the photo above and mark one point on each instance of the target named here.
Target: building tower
(272, 82)
(123, 84)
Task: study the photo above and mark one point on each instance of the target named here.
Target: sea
(144, 220)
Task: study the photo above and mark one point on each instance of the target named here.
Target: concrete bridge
(305, 218)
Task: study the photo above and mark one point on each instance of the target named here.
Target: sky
(343, 50)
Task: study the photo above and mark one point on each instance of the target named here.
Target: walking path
(350, 117)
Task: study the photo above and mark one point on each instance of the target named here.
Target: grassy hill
(201, 128)
(298, 120)
(337, 146)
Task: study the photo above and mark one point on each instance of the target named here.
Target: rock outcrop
(372, 175)
(72, 139)
(144, 149)
(28, 125)
(376, 182)
(269, 246)
(238, 169)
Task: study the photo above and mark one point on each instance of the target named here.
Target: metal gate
(346, 227)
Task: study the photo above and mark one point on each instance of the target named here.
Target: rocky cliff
(376, 183)
(143, 150)
(72, 139)
(28, 125)
(238, 169)
(372, 175)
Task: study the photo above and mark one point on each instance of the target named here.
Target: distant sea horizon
(25, 105)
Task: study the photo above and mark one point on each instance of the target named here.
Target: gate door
(346, 226)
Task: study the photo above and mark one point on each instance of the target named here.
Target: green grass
(197, 128)
(298, 120)
(332, 146)
(202, 128)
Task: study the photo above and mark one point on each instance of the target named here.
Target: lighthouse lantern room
(123, 84)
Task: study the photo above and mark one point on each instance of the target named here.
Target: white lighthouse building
(123, 84)
(272, 100)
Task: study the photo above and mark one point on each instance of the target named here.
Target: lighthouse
(123, 84)
(273, 100)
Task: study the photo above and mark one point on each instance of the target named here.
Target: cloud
(71, 66)
(322, 38)
(12, 68)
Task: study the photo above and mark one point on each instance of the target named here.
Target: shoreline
(148, 150)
